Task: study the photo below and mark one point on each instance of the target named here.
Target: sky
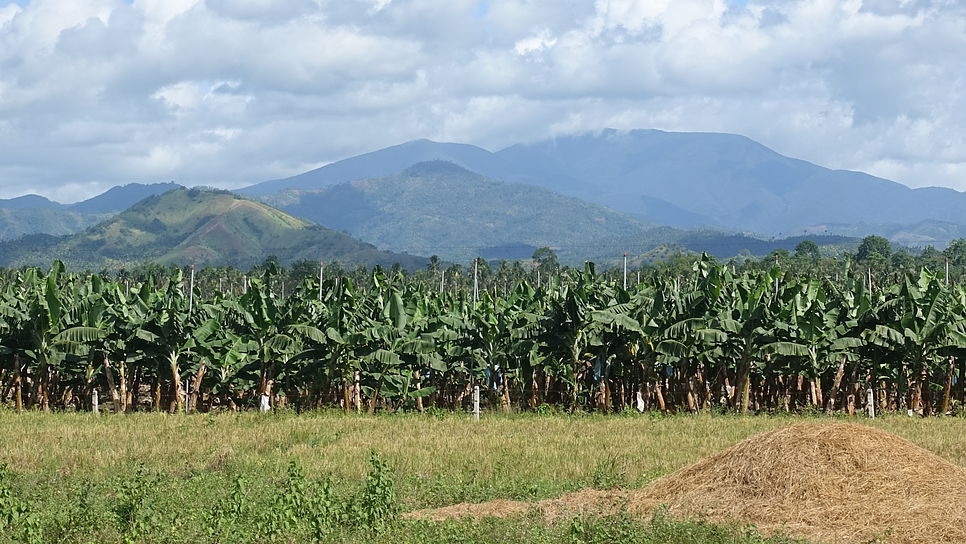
(95, 93)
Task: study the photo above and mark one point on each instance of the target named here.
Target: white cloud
(541, 41)
(97, 92)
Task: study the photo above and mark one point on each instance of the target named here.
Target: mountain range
(676, 179)
(589, 196)
(438, 207)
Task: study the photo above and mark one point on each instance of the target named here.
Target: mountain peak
(434, 168)
(121, 197)
(28, 201)
(202, 226)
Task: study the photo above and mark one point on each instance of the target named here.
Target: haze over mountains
(676, 179)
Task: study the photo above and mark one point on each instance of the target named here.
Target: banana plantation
(709, 340)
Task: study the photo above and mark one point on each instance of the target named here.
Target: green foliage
(16, 516)
(807, 249)
(375, 508)
(135, 514)
(874, 248)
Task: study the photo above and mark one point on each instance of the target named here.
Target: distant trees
(874, 248)
(546, 260)
(807, 249)
(956, 252)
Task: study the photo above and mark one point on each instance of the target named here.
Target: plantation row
(710, 340)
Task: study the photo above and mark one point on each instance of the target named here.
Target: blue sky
(230, 92)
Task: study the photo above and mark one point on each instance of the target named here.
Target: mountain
(121, 197)
(34, 214)
(198, 226)
(16, 222)
(439, 207)
(679, 179)
(381, 163)
(29, 202)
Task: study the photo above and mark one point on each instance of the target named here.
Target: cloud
(218, 92)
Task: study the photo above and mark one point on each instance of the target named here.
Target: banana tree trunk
(347, 389)
(744, 383)
(836, 384)
(534, 388)
(177, 388)
(948, 385)
(961, 382)
(17, 383)
(43, 384)
(109, 374)
(916, 382)
(357, 392)
(122, 378)
(196, 384)
(156, 390)
(419, 385)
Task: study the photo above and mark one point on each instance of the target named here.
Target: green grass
(160, 478)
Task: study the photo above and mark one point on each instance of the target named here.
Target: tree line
(712, 337)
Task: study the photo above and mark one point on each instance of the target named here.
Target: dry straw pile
(824, 482)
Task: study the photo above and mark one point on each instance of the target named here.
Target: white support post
(476, 403)
(321, 265)
(625, 271)
(870, 403)
(476, 280)
(94, 407)
(776, 279)
(442, 279)
(191, 290)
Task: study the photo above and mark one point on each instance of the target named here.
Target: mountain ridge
(442, 208)
(675, 178)
(187, 226)
(35, 214)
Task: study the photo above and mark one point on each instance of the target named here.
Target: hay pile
(586, 501)
(824, 482)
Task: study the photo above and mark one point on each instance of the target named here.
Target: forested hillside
(198, 226)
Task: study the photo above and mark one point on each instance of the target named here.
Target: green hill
(198, 226)
(34, 214)
(16, 222)
(440, 208)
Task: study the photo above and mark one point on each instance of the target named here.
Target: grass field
(293, 478)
